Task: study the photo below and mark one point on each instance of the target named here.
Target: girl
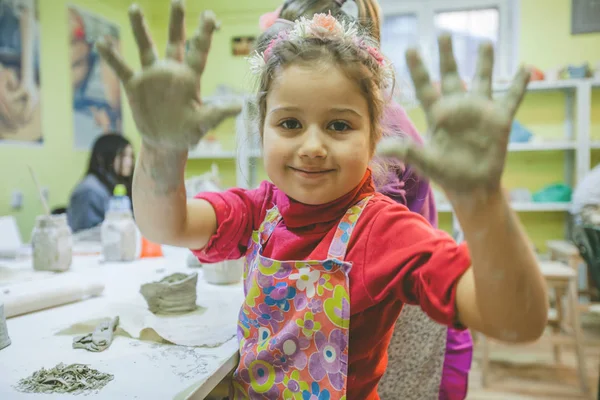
(330, 263)
(418, 344)
(111, 162)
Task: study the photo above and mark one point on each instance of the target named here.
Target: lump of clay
(174, 294)
(100, 339)
(72, 379)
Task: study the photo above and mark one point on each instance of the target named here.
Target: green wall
(56, 163)
(544, 42)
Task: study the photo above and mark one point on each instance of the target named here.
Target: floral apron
(293, 328)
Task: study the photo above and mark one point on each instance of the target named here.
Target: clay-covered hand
(165, 95)
(469, 130)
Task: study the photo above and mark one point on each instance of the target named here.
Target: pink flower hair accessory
(324, 27)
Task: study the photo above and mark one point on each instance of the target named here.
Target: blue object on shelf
(579, 71)
(519, 134)
(556, 193)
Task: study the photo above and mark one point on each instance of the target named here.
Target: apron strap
(340, 241)
(268, 225)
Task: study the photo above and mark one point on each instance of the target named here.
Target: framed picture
(585, 16)
(96, 88)
(241, 46)
(20, 111)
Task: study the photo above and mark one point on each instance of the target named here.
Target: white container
(52, 243)
(224, 273)
(119, 236)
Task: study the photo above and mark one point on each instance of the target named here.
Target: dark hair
(107, 148)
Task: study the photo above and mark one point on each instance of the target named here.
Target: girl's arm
(166, 105)
(503, 295)
(163, 212)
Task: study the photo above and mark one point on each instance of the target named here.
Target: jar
(52, 243)
(119, 236)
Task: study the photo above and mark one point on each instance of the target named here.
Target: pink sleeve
(239, 212)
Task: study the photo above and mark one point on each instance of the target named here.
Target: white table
(142, 370)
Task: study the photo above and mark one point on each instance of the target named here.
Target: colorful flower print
(306, 279)
(308, 324)
(267, 316)
(337, 308)
(264, 335)
(262, 375)
(268, 267)
(280, 295)
(293, 345)
(316, 393)
(285, 269)
(252, 293)
(324, 284)
(300, 301)
(330, 359)
(294, 386)
(315, 305)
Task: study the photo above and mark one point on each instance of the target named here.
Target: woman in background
(111, 163)
(422, 354)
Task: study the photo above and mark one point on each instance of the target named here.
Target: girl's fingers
(200, 44)
(482, 83)
(114, 60)
(425, 91)
(516, 92)
(451, 82)
(176, 44)
(142, 36)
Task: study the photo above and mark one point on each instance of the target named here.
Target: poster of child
(96, 90)
(20, 117)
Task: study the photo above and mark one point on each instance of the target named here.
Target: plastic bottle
(119, 232)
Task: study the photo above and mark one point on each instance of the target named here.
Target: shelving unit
(576, 143)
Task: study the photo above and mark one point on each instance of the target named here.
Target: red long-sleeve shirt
(397, 258)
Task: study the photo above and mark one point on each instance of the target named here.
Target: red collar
(299, 215)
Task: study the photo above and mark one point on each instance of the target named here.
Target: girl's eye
(290, 124)
(339, 126)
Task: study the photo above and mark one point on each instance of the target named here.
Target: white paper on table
(211, 325)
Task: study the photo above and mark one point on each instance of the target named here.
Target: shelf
(595, 145)
(542, 146)
(523, 207)
(211, 155)
(539, 86)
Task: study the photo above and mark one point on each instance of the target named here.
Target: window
(470, 22)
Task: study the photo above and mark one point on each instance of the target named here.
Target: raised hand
(164, 95)
(469, 130)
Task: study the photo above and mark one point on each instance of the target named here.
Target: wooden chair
(563, 319)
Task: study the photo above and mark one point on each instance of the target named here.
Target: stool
(567, 252)
(563, 319)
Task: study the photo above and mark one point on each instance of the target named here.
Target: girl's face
(316, 136)
(124, 162)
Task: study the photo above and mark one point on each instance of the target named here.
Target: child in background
(353, 257)
(421, 351)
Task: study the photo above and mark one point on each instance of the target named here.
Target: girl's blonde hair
(354, 52)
